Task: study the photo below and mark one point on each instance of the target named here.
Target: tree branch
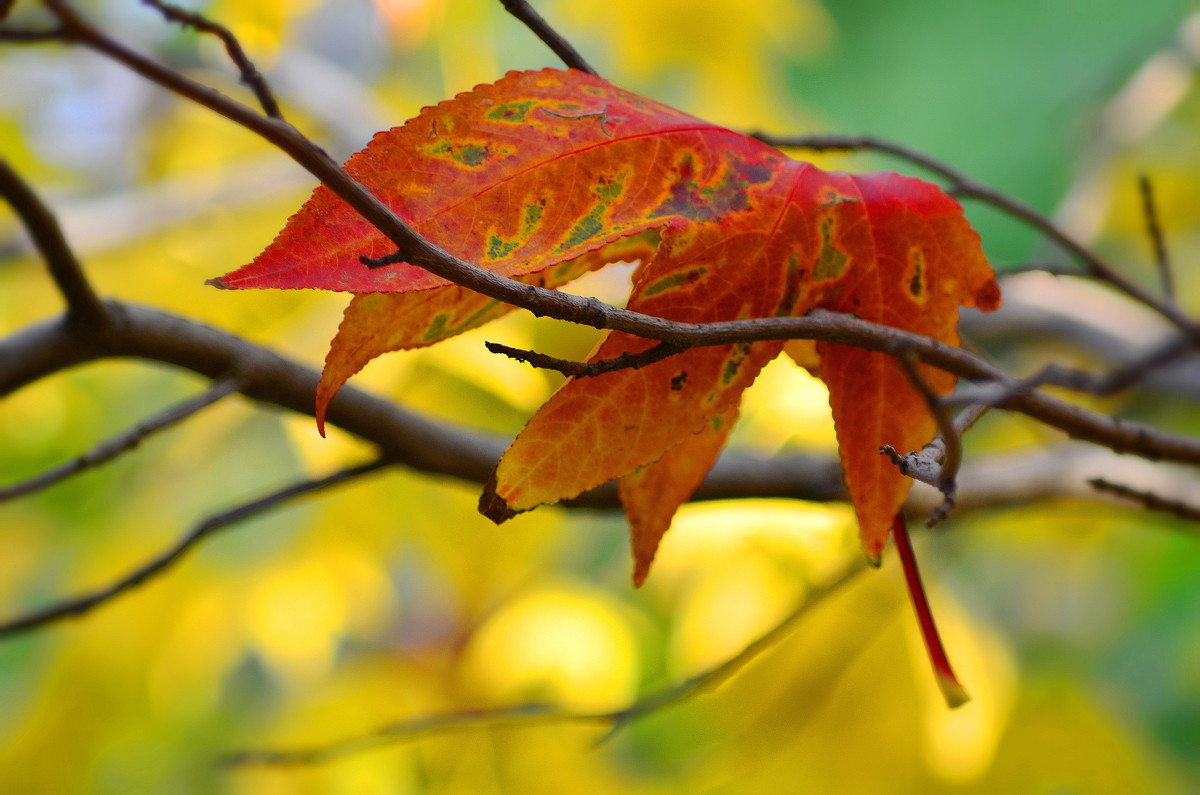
(1148, 499)
(147, 333)
(549, 36)
(1157, 241)
(83, 305)
(249, 73)
(626, 361)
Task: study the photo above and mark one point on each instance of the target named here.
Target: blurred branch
(549, 36)
(158, 565)
(111, 448)
(1148, 499)
(249, 73)
(83, 305)
(1157, 241)
(541, 714)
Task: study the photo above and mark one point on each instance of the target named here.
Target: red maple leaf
(546, 175)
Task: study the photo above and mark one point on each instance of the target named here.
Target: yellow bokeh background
(390, 601)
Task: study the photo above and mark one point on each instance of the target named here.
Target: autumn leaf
(546, 175)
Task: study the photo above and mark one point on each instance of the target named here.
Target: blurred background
(1075, 624)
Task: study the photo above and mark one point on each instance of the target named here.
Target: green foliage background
(1076, 627)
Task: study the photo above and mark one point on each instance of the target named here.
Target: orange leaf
(651, 494)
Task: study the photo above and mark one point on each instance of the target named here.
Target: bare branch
(1148, 499)
(1103, 385)
(83, 305)
(549, 36)
(113, 447)
(542, 714)
(150, 334)
(156, 566)
(249, 73)
(1157, 240)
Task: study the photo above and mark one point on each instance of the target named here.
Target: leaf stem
(947, 682)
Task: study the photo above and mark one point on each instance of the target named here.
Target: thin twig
(950, 453)
(1157, 240)
(129, 439)
(83, 305)
(78, 606)
(963, 186)
(549, 36)
(250, 76)
(1052, 268)
(626, 361)
(1148, 499)
(543, 714)
(1101, 385)
(937, 463)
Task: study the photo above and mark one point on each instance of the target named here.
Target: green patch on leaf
(533, 216)
(673, 281)
(832, 261)
(607, 190)
(472, 155)
(512, 112)
(498, 249)
(437, 328)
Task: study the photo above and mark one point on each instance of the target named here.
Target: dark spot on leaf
(916, 284)
(678, 380)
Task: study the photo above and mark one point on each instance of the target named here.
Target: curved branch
(439, 448)
(249, 73)
(83, 304)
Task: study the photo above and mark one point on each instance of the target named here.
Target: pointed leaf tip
(492, 505)
(216, 282)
